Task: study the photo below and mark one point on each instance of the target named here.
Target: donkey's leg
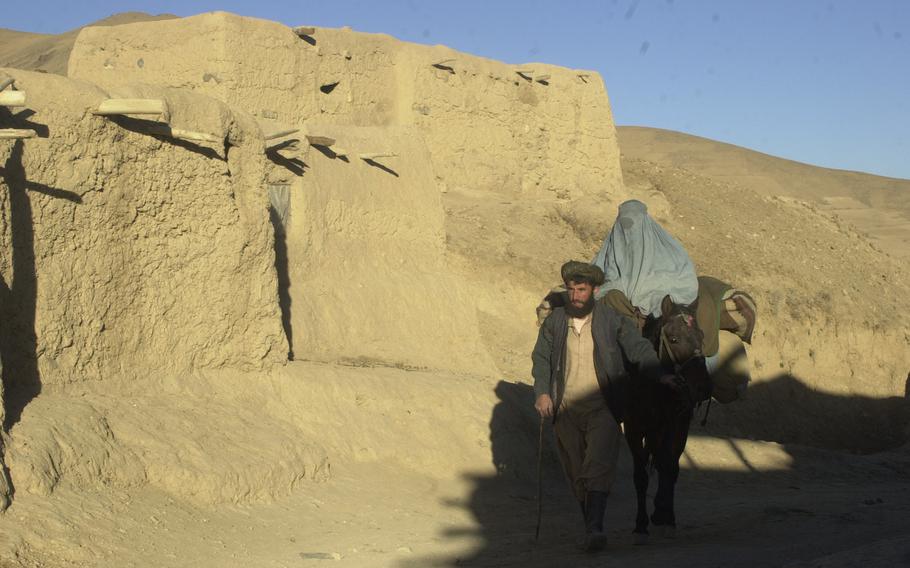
(673, 442)
(667, 474)
(640, 475)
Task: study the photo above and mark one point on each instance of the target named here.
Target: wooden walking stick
(539, 479)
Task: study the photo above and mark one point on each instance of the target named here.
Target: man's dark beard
(581, 312)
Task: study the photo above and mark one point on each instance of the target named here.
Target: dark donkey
(657, 417)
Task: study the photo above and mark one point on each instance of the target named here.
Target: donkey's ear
(666, 306)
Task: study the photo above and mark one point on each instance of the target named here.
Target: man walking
(581, 381)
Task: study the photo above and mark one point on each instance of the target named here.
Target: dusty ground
(741, 502)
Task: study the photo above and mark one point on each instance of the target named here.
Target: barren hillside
(287, 319)
(49, 53)
(878, 207)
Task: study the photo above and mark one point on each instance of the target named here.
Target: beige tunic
(588, 438)
(582, 390)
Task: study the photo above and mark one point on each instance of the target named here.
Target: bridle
(664, 343)
(680, 366)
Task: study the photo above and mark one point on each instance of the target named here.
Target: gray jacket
(619, 351)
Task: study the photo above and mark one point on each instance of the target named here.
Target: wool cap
(577, 271)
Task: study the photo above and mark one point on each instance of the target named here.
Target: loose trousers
(588, 443)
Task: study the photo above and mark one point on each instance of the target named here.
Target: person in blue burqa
(642, 263)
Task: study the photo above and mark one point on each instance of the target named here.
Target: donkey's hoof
(639, 538)
(665, 531)
(595, 542)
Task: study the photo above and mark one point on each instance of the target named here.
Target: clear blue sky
(825, 82)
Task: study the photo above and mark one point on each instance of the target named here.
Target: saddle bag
(729, 368)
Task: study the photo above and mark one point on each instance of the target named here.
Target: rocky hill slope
(878, 207)
(50, 53)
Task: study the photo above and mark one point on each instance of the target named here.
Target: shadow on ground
(828, 491)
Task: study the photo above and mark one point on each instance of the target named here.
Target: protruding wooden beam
(444, 65)
(526, 74)
(6, 83)
(195, 136)
(291, 144)
(304, 30)
(377, 156)
(280, 133)
(339, 151)
(165, 130)
(12, 98)
(319, 140)
(16, 133)
(112, 107)
(542, 78)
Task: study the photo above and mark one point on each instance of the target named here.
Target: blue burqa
(643, 261)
